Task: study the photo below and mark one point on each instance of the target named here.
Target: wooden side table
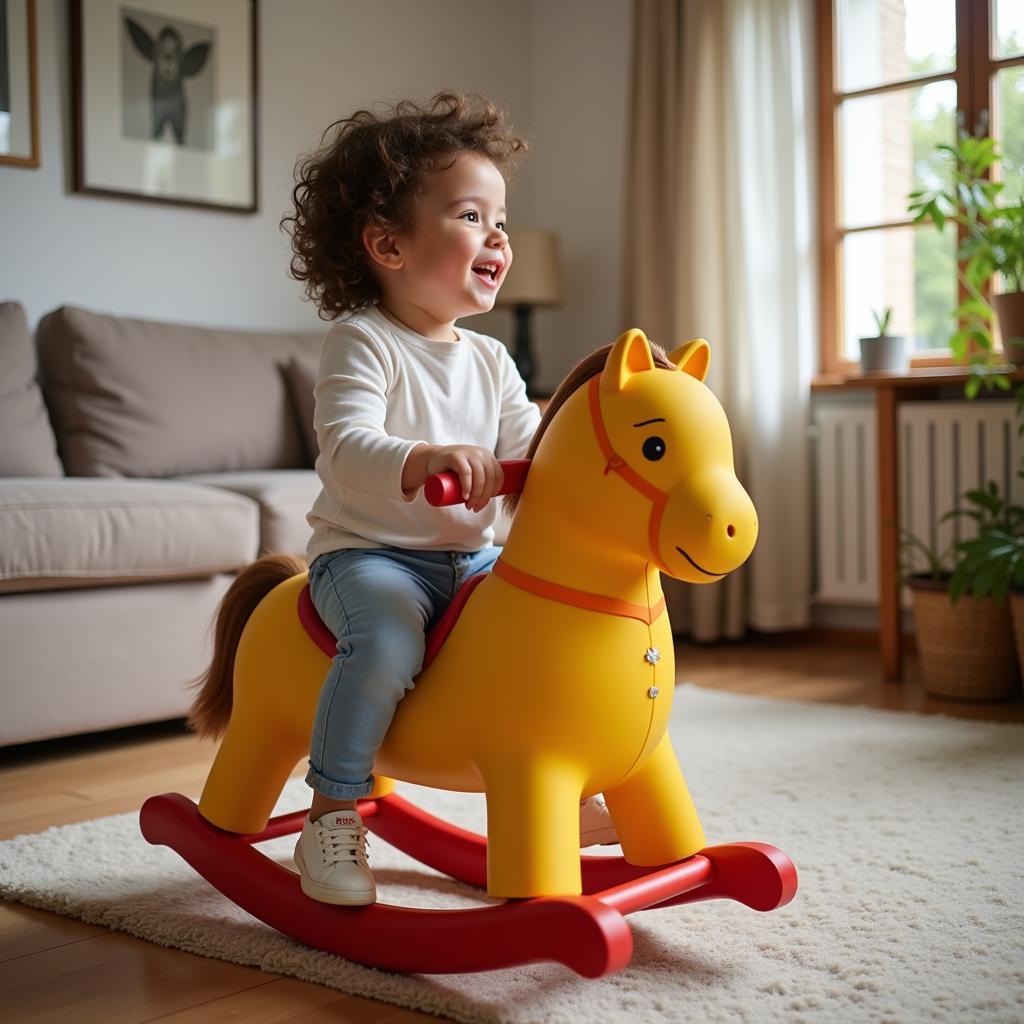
(891, 389)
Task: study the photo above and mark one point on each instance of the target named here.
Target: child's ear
(379, 243)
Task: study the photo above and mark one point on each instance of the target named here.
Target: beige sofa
(140, 467)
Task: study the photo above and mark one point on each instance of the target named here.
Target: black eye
(654, 448)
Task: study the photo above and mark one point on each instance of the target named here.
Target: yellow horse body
(557, 680)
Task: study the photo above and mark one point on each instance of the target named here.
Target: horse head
(640, 457)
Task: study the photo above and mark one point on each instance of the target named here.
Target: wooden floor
(56, 969)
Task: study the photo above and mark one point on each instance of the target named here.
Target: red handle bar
(444, 489)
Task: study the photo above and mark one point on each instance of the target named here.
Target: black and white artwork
(19, 127)
(165, 100)
(5, 65)
(168, 75)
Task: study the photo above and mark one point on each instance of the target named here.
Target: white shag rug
(906, 831)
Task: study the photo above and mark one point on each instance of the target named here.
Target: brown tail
(212, 707)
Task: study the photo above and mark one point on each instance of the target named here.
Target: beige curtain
(719, 245)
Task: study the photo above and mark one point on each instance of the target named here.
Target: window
(896, 78)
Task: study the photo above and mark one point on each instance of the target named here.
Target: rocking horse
(548, 680)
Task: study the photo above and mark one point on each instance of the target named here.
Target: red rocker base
(587, 933)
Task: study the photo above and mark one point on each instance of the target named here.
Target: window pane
(1008, 128)
(913, 270)
(1008, 31)
(880, 41)
(888, 149)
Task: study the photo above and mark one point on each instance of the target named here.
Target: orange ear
(693, 357)
(630, 354)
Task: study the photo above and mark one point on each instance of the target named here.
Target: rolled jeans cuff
(338, 790)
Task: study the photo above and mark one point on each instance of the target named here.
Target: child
(400, 229)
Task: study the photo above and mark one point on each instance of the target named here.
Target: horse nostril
(731, 530)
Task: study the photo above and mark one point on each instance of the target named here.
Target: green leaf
(957, 585)
(984, 580)
(982, 497)
(974, 305)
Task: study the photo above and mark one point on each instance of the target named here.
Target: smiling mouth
(487, 275)
(697, 567)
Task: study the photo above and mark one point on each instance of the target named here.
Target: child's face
(458, 224)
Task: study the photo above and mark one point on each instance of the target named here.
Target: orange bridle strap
(577, 598)
(659, 499)
(583, 598)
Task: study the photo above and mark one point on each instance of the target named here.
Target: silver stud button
(652, 655)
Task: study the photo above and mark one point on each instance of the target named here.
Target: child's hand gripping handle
(444, 489)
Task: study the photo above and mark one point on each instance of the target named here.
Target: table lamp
(534, 279)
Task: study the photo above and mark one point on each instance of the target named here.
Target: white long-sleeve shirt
(383, 389)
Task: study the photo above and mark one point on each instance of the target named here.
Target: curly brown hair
(369, 173)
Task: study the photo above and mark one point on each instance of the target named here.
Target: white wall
(560, 67)
(581, 52)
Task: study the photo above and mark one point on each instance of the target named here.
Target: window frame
(974, 76)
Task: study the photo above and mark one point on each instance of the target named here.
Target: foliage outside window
(898, 77)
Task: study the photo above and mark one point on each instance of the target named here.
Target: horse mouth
(717, 575)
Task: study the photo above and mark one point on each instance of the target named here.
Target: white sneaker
(331, 858)
(596, 826)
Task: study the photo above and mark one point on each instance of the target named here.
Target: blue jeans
(379, 603)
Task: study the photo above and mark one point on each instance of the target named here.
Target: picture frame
(19, 89)
(166, 102)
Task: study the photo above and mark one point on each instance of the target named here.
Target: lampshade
(535, 277)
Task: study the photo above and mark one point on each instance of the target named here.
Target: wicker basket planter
(966, 649)
(1017, 615)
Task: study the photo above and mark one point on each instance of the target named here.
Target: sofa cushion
(27, 444)
(284, 497)
(140, 398)
(84, 533)
(301, 373)
(73, 661)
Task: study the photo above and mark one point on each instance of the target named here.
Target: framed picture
(19, 105)
(165, 100)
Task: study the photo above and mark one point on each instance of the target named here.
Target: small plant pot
(1010, 313)
(884, 353)
(966, 650)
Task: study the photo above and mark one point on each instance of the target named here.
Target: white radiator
(945, 448)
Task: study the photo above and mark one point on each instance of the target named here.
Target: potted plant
(992, 562)
(884, 351)
(989, 565)
(991, 246)
(966, 647)
(995, 561)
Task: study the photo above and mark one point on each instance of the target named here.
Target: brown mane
(589, 366)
